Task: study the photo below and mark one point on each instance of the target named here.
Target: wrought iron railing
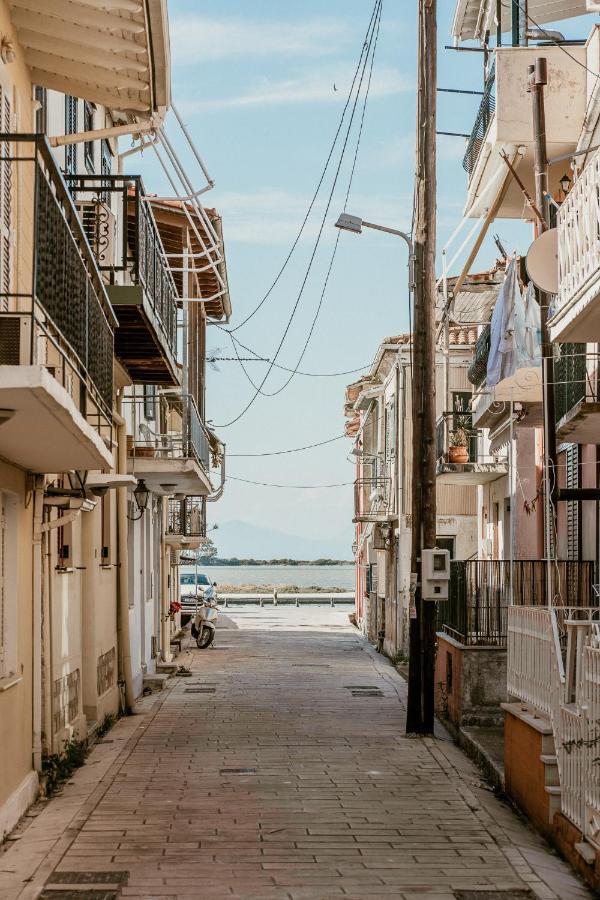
(187, 517)
(124, 235)
(575, 377)
(455, 429)
(70, 318)
(481, 592)
(485, 113)
(372, 497)
(176, 432)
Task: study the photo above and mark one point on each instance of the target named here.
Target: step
(553, 792)
(587, 852)
(155, 682)
(551, 776)
(166, 668)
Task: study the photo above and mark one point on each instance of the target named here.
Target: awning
(473, 18)
(113, 54)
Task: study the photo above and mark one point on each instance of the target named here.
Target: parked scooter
(205, 621)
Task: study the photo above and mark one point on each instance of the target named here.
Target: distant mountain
(247, 541)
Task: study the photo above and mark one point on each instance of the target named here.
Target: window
(88, 147)
(40, 97)
(64, 549)
(105, 157)
(71, 128)
(150, 402)
(105, 528)
(8, 592)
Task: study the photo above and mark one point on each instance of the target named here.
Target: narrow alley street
(280, 770)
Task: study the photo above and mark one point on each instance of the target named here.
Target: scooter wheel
(205, 638)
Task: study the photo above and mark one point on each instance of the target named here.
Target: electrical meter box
(435, 574)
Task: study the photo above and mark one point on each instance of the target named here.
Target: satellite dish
(542, 262)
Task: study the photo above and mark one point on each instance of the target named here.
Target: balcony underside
(470, 24)
(139, 340)
(470, 473)
(493, 405)
(376, 518)
(578, 320)
(581, 425)
(181, 542)
(46, 433)
(170, 476)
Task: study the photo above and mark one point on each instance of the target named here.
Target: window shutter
(573, 506)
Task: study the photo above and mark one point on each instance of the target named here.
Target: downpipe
(123, 634)
(37, 643)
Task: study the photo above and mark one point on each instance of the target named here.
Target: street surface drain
(237, 771)
(84, 885)
(112, 878)
(375, 693)
(82, 893)
(493, 895)
(199, 691)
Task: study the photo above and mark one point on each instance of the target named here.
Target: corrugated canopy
(111, 52)
(472, 18)
(475, 300)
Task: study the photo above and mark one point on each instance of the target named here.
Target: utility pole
(536, 81)
(420, 709)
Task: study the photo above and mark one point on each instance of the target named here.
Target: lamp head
(565, 183)
(141, 495)
(349, 223)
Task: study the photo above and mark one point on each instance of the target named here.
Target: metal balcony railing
(372, 497)
(187, 517)
(485, 113)
(66, 310)
(124, 235)
(176, 430)
(481, 592)
(576, 375)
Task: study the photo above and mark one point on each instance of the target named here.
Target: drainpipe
(123, 636)
(165, 622)
(37, 644)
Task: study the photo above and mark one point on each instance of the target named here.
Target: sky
(261, 87)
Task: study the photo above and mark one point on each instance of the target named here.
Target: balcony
(186, 526)
(460, 459)
(482, 591)
(504, 124)
(576, 311)
(56, 324)
(577, 406)
(372, 499)
(172, 452)
(124, 236)
(491, 405)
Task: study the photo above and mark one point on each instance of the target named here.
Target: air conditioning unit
(15, 340)
(100, 226)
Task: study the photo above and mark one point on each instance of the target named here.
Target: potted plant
(458, 450)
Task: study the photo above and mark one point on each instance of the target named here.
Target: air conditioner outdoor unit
(100, 226)
(15, 340)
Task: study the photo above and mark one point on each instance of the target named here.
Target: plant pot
(145, 452)
(459, 455)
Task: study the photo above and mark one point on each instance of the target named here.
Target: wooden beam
(113, 131)
(50, 62)
(86, 37)
(131, 6)
(77, 53)
(88, 92)
(90, 18)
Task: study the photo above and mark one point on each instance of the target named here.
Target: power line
(305, 374)
(258, 388)
(555, 42)
(296, 487)
(293, 450)
(366, 44)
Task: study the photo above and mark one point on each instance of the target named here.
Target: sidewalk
(280, 770)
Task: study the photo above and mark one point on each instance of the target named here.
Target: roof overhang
(112, 53)
(472, 18)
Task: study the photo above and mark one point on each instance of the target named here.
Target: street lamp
(355, 225)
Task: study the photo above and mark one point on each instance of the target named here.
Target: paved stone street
(280, 770)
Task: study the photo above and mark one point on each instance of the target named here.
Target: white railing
(532, 669)
(579, 235)
(542, 643)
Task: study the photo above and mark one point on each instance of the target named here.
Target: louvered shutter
(573, 506)
(5, 202)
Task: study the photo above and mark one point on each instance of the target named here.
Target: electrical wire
(320, 182)
(298, 372)
(378, 7)
(284, 452)
(297, 487)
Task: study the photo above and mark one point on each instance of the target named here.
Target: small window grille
(88, 147)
